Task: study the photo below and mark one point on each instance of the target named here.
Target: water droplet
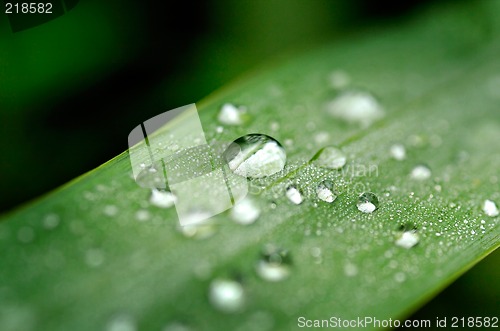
(325, 191)
(245, 211)
(421, 172)
(110, 210)
(407, 238)
(294, 195)
(121, 323)
(398, 152)
(330, 157)
(339, 79)
(26, 234)
(51, 221)
(321, 137)
(227, 295)
(357, 107)
(232, 115)
(142, 215)
(152, 177)
(350, 269)
(198, 231)
(490, 208)
(219, 129)
(162, 199)
(400, 277)
(367, 202)
(94, 257)
(255, 156)
(274, 264)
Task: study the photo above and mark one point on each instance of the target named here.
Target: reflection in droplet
(294, 195)
(255, 156)
(367, 202)
(326, 191)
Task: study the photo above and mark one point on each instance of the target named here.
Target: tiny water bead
(230, 114)
(255, 156)
(326, 191)
(122, 323)
(421, 172)
(294, 195)
(274, 264)
(245, 211)
(330, 157)
(398, 152)
(227, 295)
(490, 208)
(367, 202)
(407, 238)
(161, 198)
(356, 107)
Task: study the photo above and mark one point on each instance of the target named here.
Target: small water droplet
(162, 199)
(274, 264)
(339, 79)
(142, 215)
(357, 107)
(26, 234)
(326, 191)
(294, 195)
(490, 208)
(245, 211)
(330, 157)
(110, 210)
(219, 129)
(51, 221)
(198, 231)
(255, 156)
(407, 238)
(367, 202)
(94, 257)
(321, 137)
(227, 295)
(121, 323)
(232, 115)
(398, 152)
(152, 177)
(421, 172)
(350, 269)
(399, 277)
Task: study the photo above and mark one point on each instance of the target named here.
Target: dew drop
(294, 195)
(357, 107)
(51, 221)
(198, 231)
(162, 199)
(110, 210)
(274, 264)
(121, 323)
(490, 208)
(367, 202)
(350, 269)
(399, 277)
(255, 156)
(152, 177)
(421, 172)
(142, 215)
(232, 115)
(339, 79)
(407, 238)
(245, 211)
(94, 257)
(326, 191)
(398, 152)
(227, 295)
(330, 157)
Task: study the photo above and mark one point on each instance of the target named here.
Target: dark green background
(71, 89)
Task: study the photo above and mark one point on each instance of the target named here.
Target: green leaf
(95, 254)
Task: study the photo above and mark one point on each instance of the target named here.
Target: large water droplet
(330, 157)
(398, 152)
(421, 172)
(407, 238)
(326, 191)
(367, 202)
(358, 107)
(227, 295)
(490, 208)
(245, 211)
(255, 156)
(162, 199)
(274, 264)
(232, 115)
(294, 195)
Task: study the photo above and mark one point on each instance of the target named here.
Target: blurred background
(71, 89)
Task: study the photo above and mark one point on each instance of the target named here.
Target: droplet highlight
(367, 202)
(162, 199)
(227, 295)
(326, 191)
(294, 195)
(245, 211)
(490, 208)
(230, 114)
(398, 152)
(356, 107)
(421, 172)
